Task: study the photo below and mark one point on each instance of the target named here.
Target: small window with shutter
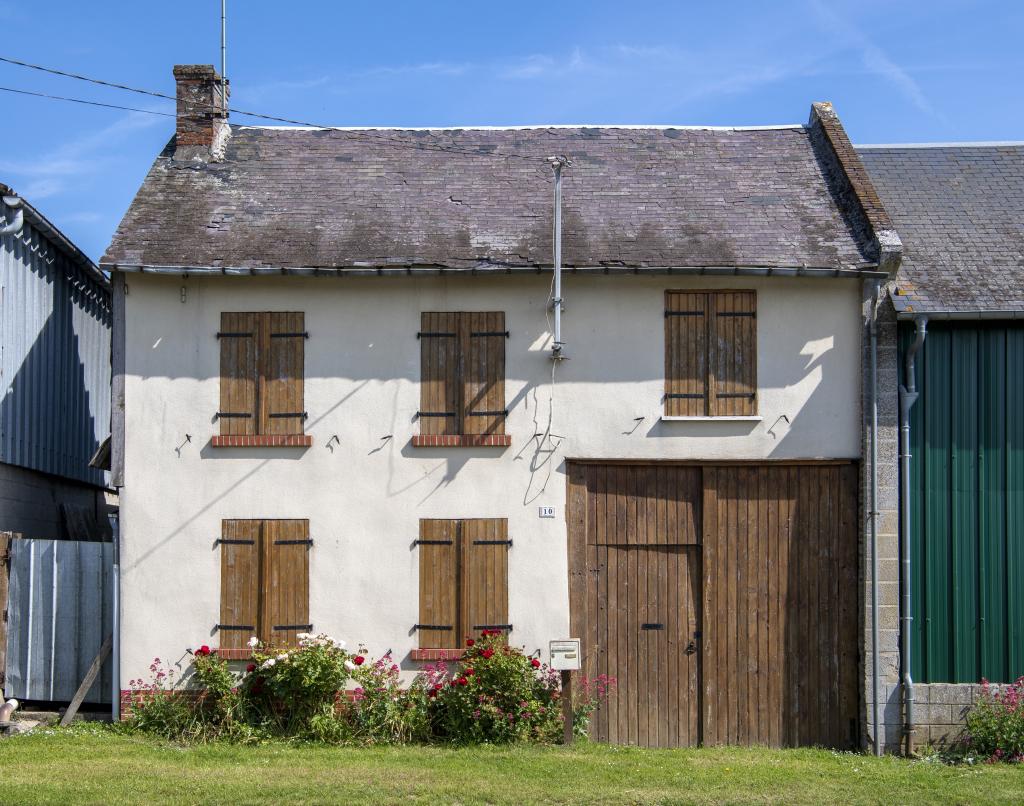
(462, 387)
(710, 353)
(463, 580)
(262, 358)
(264, 582)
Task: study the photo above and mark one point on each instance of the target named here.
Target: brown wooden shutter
(483, 340)
(485, 546)
(238, 373)
(286, 582)
(440, 374)
(686, 370)
(239, 583)
(282, 352)
(438, 624)
(733, 353)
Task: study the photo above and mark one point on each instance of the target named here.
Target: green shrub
(381, 711)
(995, 723)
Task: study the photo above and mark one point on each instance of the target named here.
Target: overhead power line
(384, 139)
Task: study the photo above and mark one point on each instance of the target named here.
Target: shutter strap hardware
(493, 627)
(286, 414)
(657, 626)
(433, 626)
(433, 542)
(492, 542)
(734, 394)
(233, 542)
(751, 314)
(222, 415)
(686, 395)
(307, 542)
(235, 627)
(435, 414)
(306, 627)
(503, 413)
(683, 313)
(303, 335)
(485, 333)
(426, 334)
(227, 335)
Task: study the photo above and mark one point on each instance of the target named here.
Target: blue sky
(897, 71)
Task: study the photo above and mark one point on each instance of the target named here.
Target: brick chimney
(202, 129)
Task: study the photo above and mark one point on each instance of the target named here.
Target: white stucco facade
(365, 492)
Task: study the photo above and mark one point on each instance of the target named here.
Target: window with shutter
(710, 353)
(262, 357)
(264, 583)
(463, 580)
(462, 389)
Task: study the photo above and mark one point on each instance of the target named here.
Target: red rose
(251, 667)
(469, 671)
(432, 693)
(535, 663)
(488, 652)
(462, 681)
(204, 650)
(470, 642)
(358, 660)
(437, 686)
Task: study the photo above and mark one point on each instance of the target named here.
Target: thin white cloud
(541, 65)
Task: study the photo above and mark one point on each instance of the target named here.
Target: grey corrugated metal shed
(55, 319)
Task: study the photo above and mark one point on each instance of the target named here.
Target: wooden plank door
(780, 605)
(635, 597)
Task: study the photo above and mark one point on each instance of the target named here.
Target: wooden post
(5, 565)
(88, 680)
(567, 718)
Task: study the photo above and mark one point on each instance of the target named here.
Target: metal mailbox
(565, 654)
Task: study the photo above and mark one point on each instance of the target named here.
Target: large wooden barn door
(637, 595)
(780, 592)
(722, 598)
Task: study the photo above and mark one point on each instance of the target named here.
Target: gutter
(907, 396)
(940, 316)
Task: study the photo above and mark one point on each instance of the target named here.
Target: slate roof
(642, 197)
(959, 210)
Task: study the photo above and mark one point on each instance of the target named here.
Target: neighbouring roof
(479, 199)
(959, 210)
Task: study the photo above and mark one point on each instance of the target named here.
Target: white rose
(268, 663)
(253, 642)
(283, 656)
(350, 666)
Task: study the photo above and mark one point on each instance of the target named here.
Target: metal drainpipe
(557, 163)
(115, 657)
(908, 396)
(13, 228)
(873, 515)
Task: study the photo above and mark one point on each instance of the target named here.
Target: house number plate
(546, 512)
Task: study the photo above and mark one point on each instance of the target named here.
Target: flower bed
(492, 694)
(995, 723)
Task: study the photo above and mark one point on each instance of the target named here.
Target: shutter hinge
(306, 627)
(752, 314)
(492, 542)
(287, 414)
(502, 413)
(433, 627)
(683, 313)
(233, 542)
(685, 395)
(432, 542)
(302, 335)
(234, 627)
(485, 333)
(658, 626)
(424, 334)
(507, 627)
(733, 394)
(435, 414)
(226, 335)
(223, 415)
(307, 542)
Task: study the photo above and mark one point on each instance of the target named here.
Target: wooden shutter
(733, 353)
(686, 370)
(438, 624)
(282, 350)
(483, 340)
(286, 582)
(485, 546)
(238, 373)
(440, 374)
(239, 583)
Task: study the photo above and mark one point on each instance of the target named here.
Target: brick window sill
(436, 654)
(263, 441)
(461, 441)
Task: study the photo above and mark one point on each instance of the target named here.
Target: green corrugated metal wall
(967, 476)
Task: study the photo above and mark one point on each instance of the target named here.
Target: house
(959, 296)
(339, 406)
(55, 319)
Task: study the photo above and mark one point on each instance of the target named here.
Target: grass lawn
(92, 764)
